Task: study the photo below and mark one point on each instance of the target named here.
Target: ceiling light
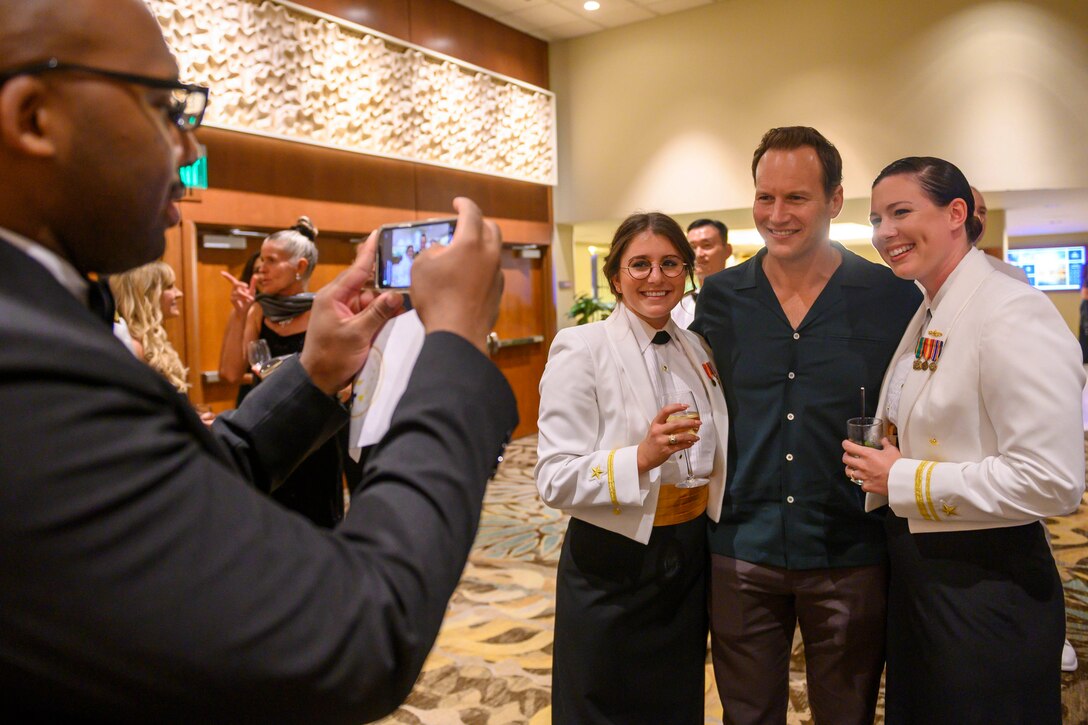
(592, 5)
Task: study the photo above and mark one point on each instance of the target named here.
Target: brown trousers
(753, 612)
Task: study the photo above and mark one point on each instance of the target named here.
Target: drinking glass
(259, 356)
(691, 413)
(865, 432)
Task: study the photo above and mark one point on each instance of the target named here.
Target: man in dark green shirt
(796, 332)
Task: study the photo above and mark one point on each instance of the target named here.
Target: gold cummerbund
(679, 505)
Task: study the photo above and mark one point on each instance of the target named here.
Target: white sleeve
(1031, 380)
(575, 468)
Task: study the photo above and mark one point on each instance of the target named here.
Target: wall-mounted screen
(1050, 268)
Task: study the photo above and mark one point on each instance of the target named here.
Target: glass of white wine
(684, 397)
(259, 356)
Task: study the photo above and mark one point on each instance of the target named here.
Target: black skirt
(630, 627)
(976, 623)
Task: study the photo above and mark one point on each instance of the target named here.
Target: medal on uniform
(928, 351)
(711, 373)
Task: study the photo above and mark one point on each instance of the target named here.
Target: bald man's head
(66, 29)
(980, 212)
(88, 162)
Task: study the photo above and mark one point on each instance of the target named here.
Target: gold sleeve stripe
(918, 491)
(612, 482)
(929, 499)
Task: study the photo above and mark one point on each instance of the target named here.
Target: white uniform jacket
(684, 312)
(596, 404)
(993, 437)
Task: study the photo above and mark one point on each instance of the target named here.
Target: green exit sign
(195, 175)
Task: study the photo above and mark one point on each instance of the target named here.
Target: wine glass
(259, 355)
(684, 397)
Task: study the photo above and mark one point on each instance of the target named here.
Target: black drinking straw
(863, 402)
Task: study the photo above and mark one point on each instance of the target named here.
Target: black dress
(315, 489)
(961, 606)
(630, 627)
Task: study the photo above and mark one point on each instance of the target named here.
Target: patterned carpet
(492, 662)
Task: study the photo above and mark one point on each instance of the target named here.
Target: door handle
(495, 343)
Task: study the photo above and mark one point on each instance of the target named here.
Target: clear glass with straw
(865, 430)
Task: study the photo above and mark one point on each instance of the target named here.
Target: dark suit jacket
(142, 576)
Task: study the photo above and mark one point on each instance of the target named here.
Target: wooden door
(522, 331)
(212, 304)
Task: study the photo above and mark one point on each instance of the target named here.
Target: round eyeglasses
(640, 269)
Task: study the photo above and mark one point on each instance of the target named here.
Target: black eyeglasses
(670, 267)
(187, 103)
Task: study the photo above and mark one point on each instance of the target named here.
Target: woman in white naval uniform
(985, 391)
(631, 619)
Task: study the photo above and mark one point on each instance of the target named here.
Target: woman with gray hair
(279, 314)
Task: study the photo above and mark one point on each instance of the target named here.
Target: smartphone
(398, 244)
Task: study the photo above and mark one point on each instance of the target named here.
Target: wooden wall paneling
(453, 29)
(387, 16)
(446, 27)
(242, 162)
(266, 212)
(436, 188)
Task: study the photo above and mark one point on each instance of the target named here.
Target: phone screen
(398, 245)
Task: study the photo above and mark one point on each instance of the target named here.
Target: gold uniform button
(932, 441)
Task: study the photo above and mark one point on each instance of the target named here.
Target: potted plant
(587, 309)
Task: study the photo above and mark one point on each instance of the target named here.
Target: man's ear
(26, 117)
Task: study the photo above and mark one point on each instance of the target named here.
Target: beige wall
(664, 114)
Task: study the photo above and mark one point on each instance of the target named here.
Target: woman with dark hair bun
(630, 611)
(984, 441)
(279, 314)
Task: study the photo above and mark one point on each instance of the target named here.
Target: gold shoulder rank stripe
(612, 483)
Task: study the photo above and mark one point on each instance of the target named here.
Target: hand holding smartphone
(398, 245)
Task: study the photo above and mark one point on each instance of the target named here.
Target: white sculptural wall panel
(277, 70)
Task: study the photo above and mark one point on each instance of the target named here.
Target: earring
(298, 277)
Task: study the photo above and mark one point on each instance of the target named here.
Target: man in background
(710, 240)
(142, 576)
(796, 331)
(996, 262)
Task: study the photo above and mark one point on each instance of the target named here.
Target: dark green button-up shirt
(790, 392)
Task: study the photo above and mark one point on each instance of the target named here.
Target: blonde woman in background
(146, 296)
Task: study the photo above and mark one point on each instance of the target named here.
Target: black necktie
(661, 338)
(100, 300)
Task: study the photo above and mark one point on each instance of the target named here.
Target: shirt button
(789, 499)
(791, 376)
(789, 456)
(797, 336)
(789, 416)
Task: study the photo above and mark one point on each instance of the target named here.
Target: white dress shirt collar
(643, 332)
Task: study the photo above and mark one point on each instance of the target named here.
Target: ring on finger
(672, 440)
